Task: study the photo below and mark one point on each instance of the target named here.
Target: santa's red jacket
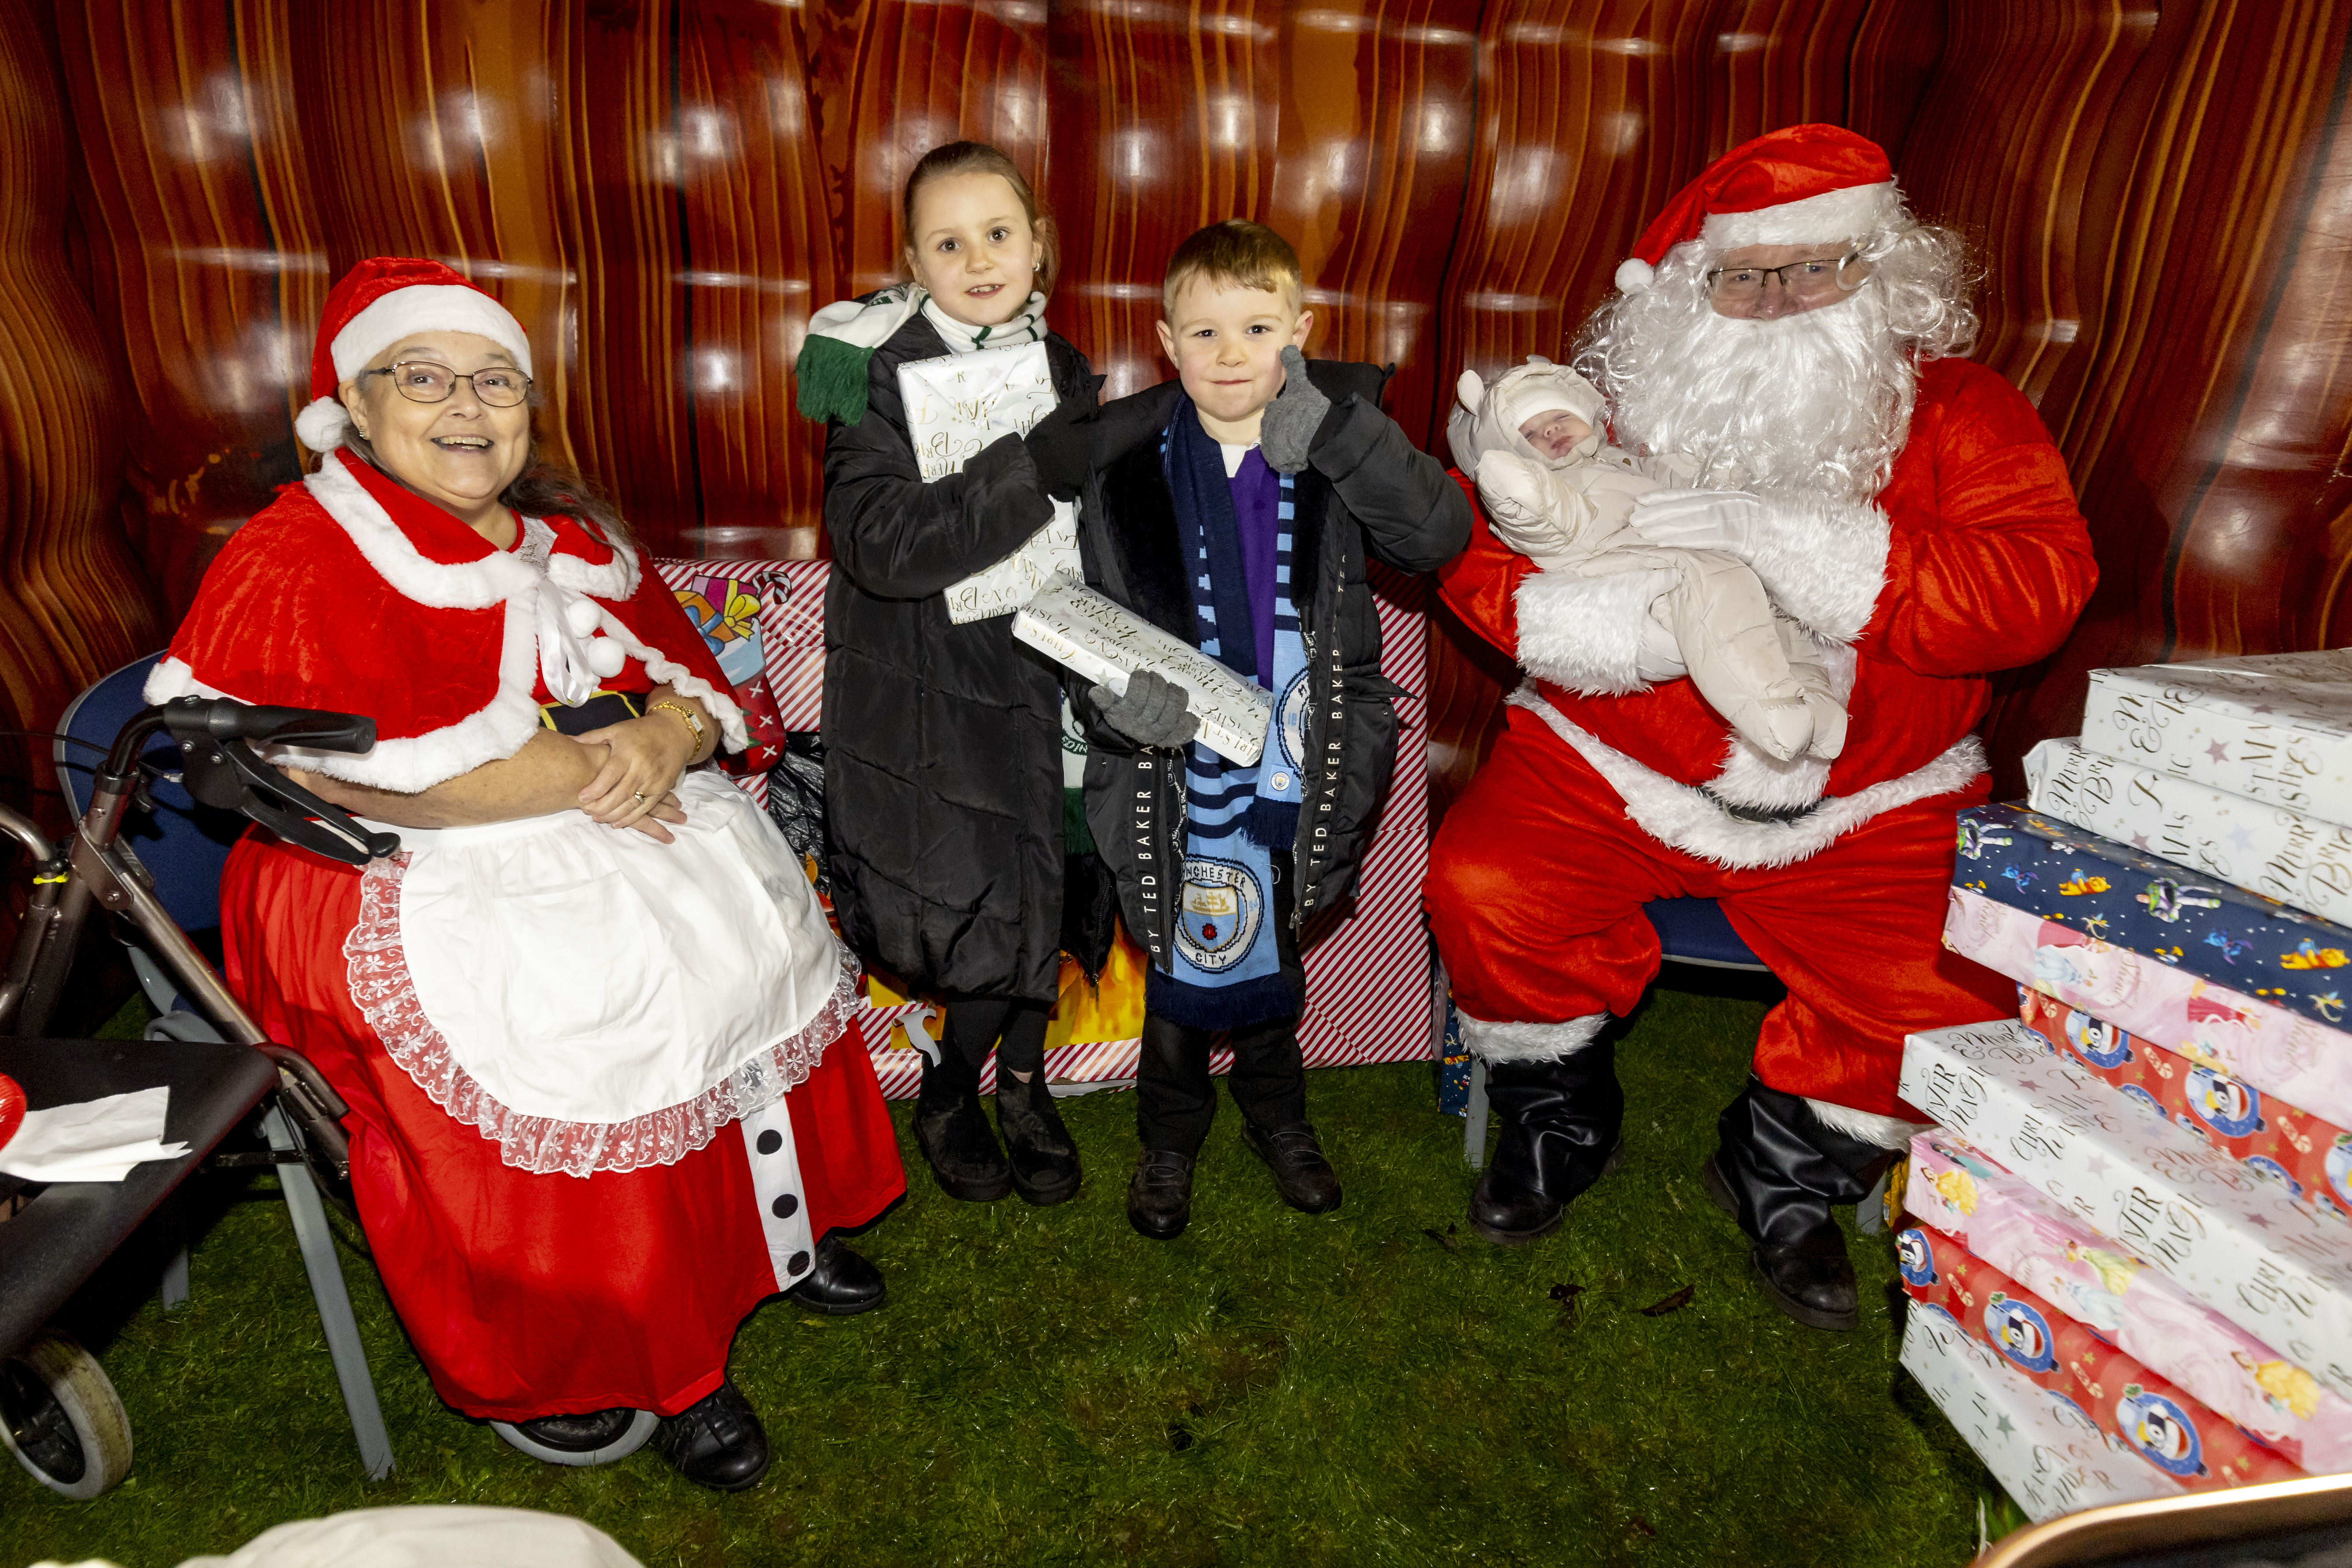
(1974, 560)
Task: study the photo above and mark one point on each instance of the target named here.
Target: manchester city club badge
(1219, 916)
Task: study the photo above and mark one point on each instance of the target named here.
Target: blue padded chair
(183, 846)
(1690, 930)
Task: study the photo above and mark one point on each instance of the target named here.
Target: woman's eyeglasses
(422, 381)
(1801, 280)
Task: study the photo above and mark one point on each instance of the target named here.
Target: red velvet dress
(526, 1293)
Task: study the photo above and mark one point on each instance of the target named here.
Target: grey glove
(1151, 713)
(1288, 430)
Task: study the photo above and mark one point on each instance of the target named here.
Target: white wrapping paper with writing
(2273, 726)
(958, 404)
(1073, 625)
(2231, 1239)
(2264, 848)
(2042, 1449)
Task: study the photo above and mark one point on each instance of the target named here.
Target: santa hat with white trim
(1801, 185)
(381, 301)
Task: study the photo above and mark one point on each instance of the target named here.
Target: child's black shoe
(1159, 1194)
(1301, 1174)
(953, 1133)
(1044, 1156)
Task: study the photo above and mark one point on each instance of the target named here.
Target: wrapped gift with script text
(2266, 848)
(2230, 1240)
(2311, 1158)
(2272, 727)
(2038, 1445)
(2282, 1053)
(2169, 1429)
(959, 405)
(1106, 642)
(2004, 1220)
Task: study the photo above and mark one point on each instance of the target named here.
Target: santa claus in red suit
(590, 1019)
(1788, 333)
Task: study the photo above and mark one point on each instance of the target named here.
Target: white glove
(1729, 520)
(1529, 509)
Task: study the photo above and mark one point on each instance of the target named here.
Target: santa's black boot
(1778, 1167)
(1559, 1128)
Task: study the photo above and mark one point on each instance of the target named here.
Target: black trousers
(1175, 1098)
(1015, 1028)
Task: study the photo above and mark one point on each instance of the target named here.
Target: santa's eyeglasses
(422, 381)
(1820, 278)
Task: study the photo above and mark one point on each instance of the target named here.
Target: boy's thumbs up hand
(1286, 432)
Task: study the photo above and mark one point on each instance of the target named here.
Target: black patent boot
(1042, 1153)
(1777, 1168)
(953, 1133)
(1560, 1126)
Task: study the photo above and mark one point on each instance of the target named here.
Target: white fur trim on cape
(321, 427)
(1585, 633)
(1885, 1132)
(1754, 777)
(1823, 561)
(425, 307)
(1493, 1042)
(1678, 814)
(678, 679)
(1830, 218)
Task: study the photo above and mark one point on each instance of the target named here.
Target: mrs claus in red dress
(590, 1020)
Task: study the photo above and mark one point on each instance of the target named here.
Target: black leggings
(1015, 1028)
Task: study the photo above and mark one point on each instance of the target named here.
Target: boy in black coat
(1236, 507)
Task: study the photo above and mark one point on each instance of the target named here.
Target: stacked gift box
(2131, 1228)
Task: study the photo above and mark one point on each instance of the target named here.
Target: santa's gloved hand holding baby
(1554, 492)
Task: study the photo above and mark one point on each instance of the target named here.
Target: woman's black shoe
(715, 1442)
(582, 1433)
(839, 1283)
(953, 1133)
(1159, 1194)
(1043, 1157)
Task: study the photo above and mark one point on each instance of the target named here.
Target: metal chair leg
(326, 1271)
(1474, 1132)
(175, 1280)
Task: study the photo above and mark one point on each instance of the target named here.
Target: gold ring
(638, 795)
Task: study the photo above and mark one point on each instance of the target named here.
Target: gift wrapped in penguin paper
(2286, 1054)
(2165, 1426)
(2273, 851)
(2311, 1158)
(2270, 727)
(2003, 1220)
(2230, 1240)
(2038, 1445)
(2168, 911)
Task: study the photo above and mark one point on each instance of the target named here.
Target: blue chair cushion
(182, 845)
(1694, 931)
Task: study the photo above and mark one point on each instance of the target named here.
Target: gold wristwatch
(693, 719)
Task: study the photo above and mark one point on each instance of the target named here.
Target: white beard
(1819, 401)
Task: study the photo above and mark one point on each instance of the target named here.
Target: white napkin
(96, 1141)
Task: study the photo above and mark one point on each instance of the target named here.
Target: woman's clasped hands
(637, 785)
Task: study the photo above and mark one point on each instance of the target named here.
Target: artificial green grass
(1043, 1386)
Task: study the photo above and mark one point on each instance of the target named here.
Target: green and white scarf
(843, 337)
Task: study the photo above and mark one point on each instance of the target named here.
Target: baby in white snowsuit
(1556, 495)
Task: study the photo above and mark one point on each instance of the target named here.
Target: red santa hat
(381, 301)
(1801, 185)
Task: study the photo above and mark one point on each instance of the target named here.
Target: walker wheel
(61, 1418)
(634, 1437)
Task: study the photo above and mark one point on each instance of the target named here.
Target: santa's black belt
(603, 710)
(1740, 813)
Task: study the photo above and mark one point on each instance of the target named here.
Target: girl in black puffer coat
(943, 742)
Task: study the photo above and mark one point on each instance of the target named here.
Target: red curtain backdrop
(2161, 194)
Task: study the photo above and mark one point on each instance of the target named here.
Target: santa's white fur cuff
(1584, 634)
(1823, 561)
(1505, 1042)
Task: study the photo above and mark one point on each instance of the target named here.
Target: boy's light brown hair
(1236, 252)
